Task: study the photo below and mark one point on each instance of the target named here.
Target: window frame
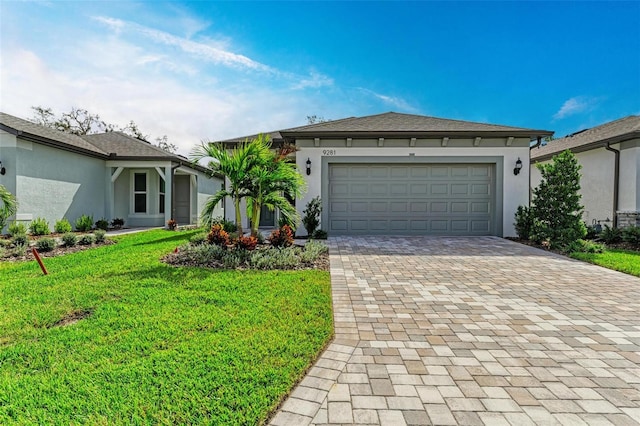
(134, 192)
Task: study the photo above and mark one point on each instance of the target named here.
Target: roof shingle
(613, 131)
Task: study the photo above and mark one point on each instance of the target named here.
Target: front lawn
(114, 336)
(620, 260)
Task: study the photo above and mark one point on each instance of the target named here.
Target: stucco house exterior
(610, 159)
(403, 174)
(109, 175)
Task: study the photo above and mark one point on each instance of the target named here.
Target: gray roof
(110, 145)
(397, 123)
(21, 127)
(612, 132)
(394, 123)
(126, 146)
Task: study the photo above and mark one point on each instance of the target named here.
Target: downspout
(538, 143)
(616, 181)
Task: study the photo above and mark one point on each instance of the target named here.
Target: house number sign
(329, 152)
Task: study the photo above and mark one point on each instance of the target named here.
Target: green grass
(620, 260)
(162, 345)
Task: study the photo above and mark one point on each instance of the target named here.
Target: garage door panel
(439, 189)
(439, 171)
(439, 207)
(339, 207)
(459, 207)
(459, 189)
(399, 207)
(359, 206)
(441, 199)
(459, 225)
(480, 189)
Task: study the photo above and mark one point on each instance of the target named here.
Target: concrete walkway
(472, 331)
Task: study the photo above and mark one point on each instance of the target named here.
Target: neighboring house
(109, 175)
(610, 159)
(404, 174)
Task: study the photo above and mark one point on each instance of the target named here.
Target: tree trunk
(236, 202)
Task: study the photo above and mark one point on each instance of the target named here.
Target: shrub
(247, 243)
(69, 239)
(62, 226)
(556, 209)
(524, 222)
(198, 239)
(17, 228)
(631, 235)
(592, 232)
(282, 237)
(39, 226)
(583, 246)
(320, 234)
(611, 235)
(311, 218)
(275, 258)
(84, 223)
(117, 223)
(86, 240)
(218, 236)
(100, 235)
(18, 251)
(45, 244)
(102, 224)
(312, 251)
(20, 240)
(226, 225)
(172, 224)
(8, 206)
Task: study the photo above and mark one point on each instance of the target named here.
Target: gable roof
(107, 146)
(127, 147)
(47, 136)
(393, 123)
(612, 132)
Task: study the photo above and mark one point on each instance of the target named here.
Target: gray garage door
(439, 199)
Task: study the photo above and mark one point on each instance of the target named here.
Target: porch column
(168, 194)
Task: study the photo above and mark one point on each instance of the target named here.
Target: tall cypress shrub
(556, 208)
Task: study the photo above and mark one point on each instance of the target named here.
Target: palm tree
(235, 165)
(9, 206)
(272, 181)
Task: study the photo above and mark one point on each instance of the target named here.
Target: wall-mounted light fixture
(516, 170)
(3, 171)
(308, 166)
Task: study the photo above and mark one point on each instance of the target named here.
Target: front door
(267, 217)
(182, 199)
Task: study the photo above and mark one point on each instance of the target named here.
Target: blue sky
(214, 70)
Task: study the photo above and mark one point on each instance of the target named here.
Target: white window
(140, 192)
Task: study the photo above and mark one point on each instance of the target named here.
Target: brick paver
(479, 330)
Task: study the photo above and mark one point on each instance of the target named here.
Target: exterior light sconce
(516, 170)
(308, 166)
(3, 171)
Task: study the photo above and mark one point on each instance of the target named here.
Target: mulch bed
(58, 251)
(176, 259)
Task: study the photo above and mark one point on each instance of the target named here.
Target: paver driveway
(472, 331)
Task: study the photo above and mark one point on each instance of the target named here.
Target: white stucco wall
(52, 184)
(208, 186)
(514, 190)
(629, 197)
(597, 176)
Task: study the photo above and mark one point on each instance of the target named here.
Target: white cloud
(576, 105)
(199, 50)
(393, 101)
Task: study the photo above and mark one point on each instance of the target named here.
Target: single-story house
(610, 159)
(57, 175)
(406, 174)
